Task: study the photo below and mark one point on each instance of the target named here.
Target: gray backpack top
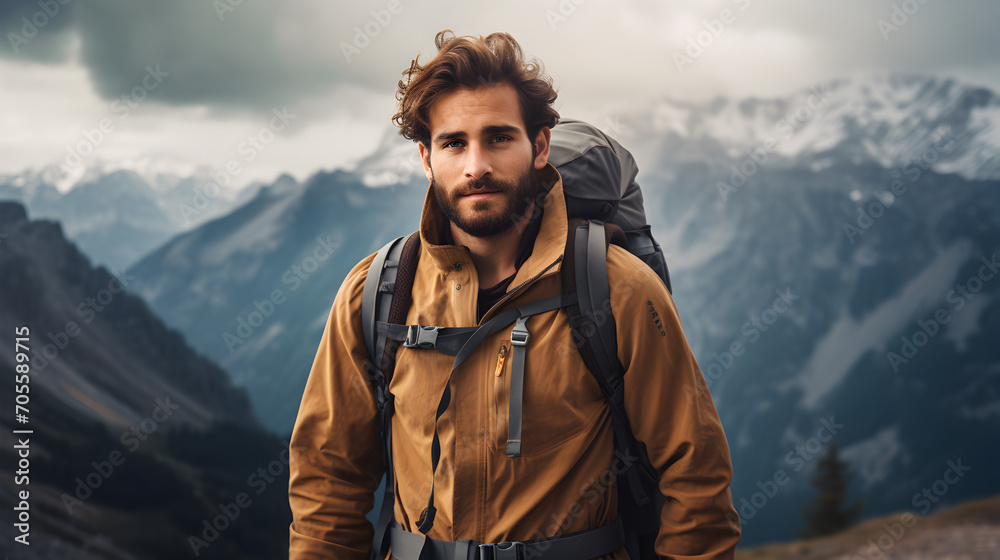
(599, 183)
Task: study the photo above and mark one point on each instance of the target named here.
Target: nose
(477, 161)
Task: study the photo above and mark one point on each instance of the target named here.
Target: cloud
(258, 54)
(255, 55)
(243, 62)
(36, 32)
(336, 64)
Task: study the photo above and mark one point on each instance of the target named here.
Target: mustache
(485, 185)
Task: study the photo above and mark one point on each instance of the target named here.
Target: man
(493, 230)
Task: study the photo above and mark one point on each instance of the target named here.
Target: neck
(494, 257)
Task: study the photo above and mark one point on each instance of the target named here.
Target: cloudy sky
(186, 82)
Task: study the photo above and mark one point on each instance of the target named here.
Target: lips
(481, 195)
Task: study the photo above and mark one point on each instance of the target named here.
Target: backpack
(604, 206)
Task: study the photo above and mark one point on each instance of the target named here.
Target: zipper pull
(500, 359)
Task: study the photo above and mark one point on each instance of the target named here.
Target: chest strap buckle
(420, 336)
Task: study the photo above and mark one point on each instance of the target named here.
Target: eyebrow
(492, 129)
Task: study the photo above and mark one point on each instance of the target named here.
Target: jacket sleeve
(671, 411)
(335, 453)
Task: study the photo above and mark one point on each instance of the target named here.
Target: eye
(505, 138)
(452, 142)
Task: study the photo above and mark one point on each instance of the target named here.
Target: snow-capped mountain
(119, 211)
(881, 117)
(888, 118)
(819, 233)
(394, 161)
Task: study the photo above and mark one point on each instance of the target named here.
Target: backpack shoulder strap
(377, 296)
(394, 266)
(387, 297)
(593, 325)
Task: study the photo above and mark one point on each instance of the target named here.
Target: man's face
(483, 167)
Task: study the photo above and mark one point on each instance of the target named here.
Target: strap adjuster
(420, 336)
(507, 550)
(519, 335)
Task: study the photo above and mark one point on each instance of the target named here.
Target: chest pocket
(560, 399)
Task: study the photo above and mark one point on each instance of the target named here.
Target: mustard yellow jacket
(563, 482)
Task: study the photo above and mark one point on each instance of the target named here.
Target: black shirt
(489, 296)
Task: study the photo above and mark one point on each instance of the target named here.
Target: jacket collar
(549, 243)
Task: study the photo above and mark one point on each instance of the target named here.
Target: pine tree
(826, 514)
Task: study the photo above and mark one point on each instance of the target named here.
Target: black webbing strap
(592, 280)
(377, 304)
(446, 340)
(581, 545)
(592, 284)
(483, 332)
(378, 291)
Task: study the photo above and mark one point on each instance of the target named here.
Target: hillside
(135, 439)
(970, 530)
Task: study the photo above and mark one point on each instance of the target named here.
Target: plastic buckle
(507, 550)
(419, 336)
(519, 335)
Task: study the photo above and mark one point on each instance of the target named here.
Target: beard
(494, 216)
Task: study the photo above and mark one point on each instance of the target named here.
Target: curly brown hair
(473, 63)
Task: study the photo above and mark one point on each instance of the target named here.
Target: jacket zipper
(500, 358)
(498, 387)
(513, 292)
(487, 445)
